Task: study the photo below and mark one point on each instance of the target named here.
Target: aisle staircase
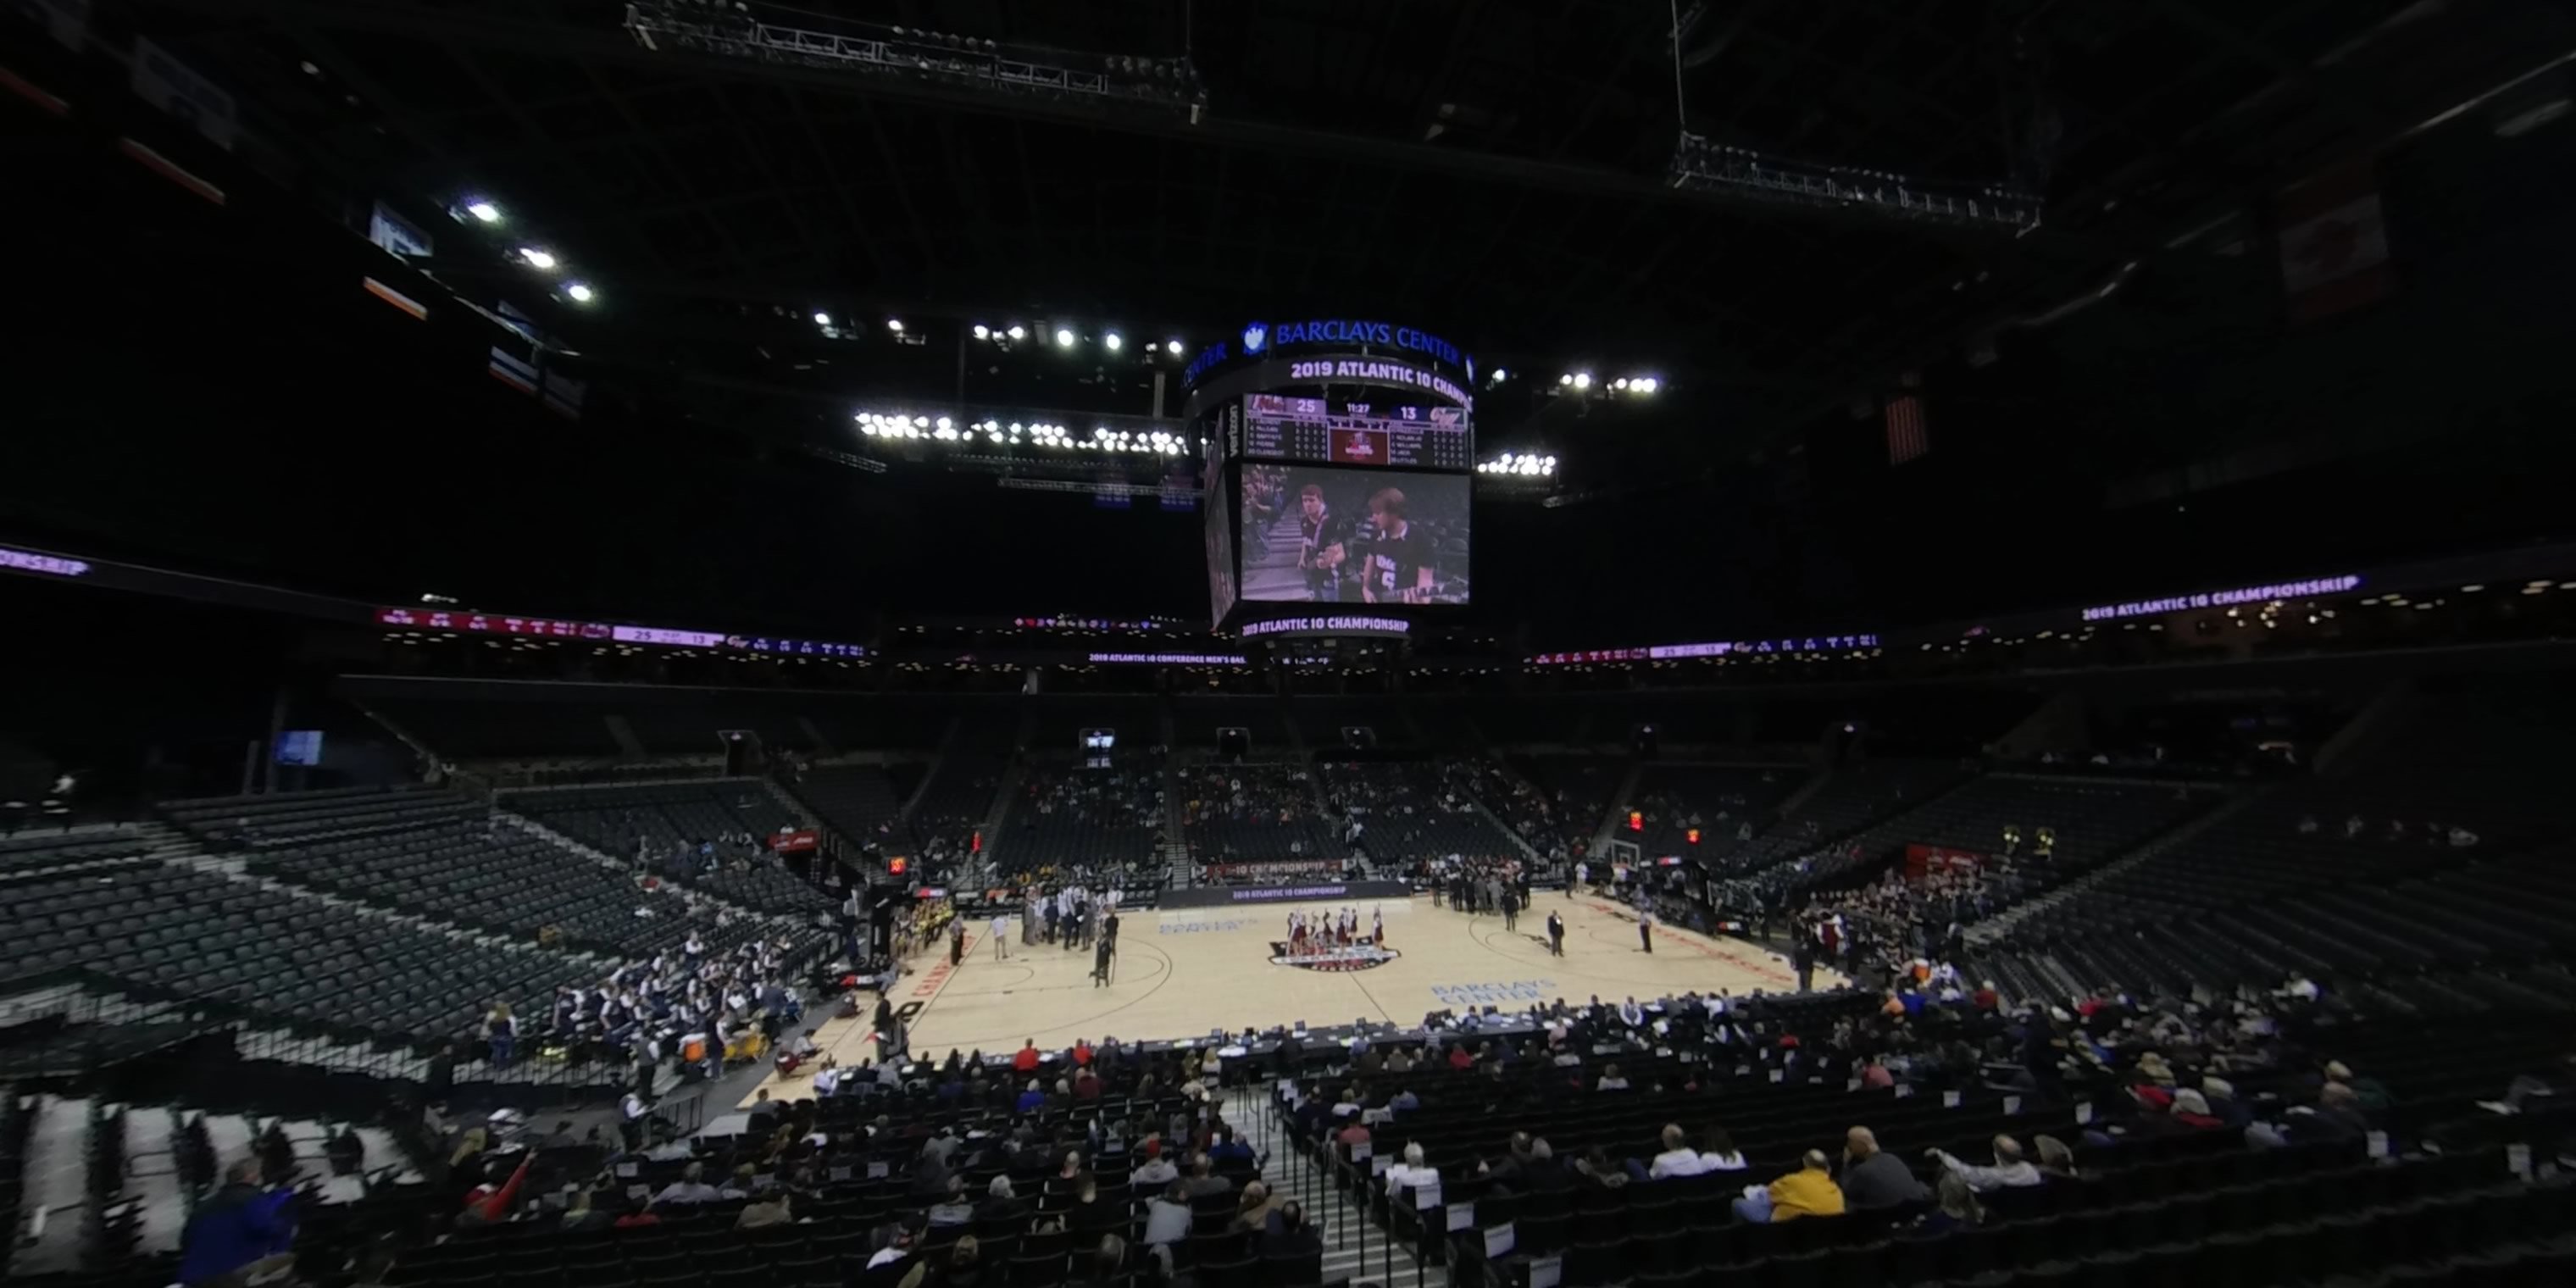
(1356, 1249)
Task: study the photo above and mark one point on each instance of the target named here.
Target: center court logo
(1353, 957)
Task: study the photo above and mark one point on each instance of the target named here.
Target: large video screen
(1323, 535)
(1220, 537)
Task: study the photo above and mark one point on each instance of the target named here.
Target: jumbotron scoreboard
(1342, 458)
(1288, 427)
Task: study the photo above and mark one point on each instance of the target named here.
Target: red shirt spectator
(494, 1205)
(1027, 1060)
(1460, 1060)
(1081, 1052)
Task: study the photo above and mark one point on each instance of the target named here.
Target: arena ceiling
(1493, 170)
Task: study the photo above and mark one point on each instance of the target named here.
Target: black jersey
(1395, 562)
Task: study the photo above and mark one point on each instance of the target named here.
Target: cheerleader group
(1323, 932)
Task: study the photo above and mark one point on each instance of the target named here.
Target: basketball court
(1183, 972)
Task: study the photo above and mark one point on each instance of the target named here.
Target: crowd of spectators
(1257, 812)
(1124, 1154)
(1111, 798)
(1536, 817)
(698, 1004)
(2139, 1067)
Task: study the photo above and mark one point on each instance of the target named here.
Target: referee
(1106, 952)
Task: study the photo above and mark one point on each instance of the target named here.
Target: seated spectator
(1289, 1235)
(1252, 1212)
(2191, 1109)
(1956, 1208)
(2056, 1161)
(1410, 1173)
(1001, 1206)
(2010, 1170)
(1203, 1179)
(1809, 1191)
(1717, 1152)
(1156, 1169)
(692, 1187)
(2370, 1093)
(771, 1208)
(1678, 1158)
(1612, 1079)
(582, 1212)
(1542, 1174)
(2336, 1116)
(1874, 1180)
(1105, 1266)
(953, 1207)
(1353, 1132)
(1167, 1216)
(1596, 1167)
(965, 1268)
(1226, 1148)
(1087, 1212)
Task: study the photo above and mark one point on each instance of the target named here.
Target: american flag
(1907, 435)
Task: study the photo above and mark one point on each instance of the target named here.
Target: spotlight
(1017, 332)
(895, 325)
(1064, 337)
(580, 292)
(1113, 342)
(536, 258)
(1645, 384)
(1500, 375)
(1172, 347)
(983, 332)
(1565, 379)
(822, 319)
(1620, 383)
(1583, 380)
(484, 210)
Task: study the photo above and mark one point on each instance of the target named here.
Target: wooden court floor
(1183, 972)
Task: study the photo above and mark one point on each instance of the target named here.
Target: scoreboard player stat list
(1277, 427)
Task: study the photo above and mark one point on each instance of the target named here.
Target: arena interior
(1155, 644)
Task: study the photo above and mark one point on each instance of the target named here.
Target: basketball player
(1399, 561)
(1325, 544)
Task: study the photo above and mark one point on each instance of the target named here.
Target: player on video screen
(1326, 546)
(1399, 561)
